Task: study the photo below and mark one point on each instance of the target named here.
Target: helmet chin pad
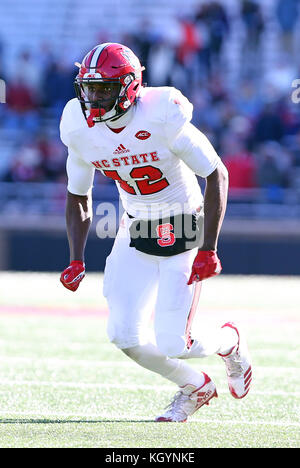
(94, 113)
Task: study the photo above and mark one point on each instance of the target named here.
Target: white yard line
(124, 386)
(93, 417)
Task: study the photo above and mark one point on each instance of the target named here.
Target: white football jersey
(153, 160)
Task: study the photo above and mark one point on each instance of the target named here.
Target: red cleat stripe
(248, 384)
(249, 377)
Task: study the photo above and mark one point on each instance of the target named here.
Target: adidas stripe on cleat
(188, 400)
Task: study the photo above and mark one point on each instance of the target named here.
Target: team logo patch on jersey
(121, 149)
(142, 135)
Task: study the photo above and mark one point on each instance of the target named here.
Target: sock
(211, 341)
(229, 339)
(175, 370)
(184, 374)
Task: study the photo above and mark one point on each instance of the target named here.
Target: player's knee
(171, 345)
(123, 337)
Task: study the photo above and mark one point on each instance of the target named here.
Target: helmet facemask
(105, 108)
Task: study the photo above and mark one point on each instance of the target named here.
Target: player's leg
(176, 308)
(177, 337)
(176, 303)
(130, 286)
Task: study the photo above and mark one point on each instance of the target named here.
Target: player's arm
(193, 147)
(206, 263)
(215, 203)
(78, 218)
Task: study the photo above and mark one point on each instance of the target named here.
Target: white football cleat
(238, 366)
(188, 400)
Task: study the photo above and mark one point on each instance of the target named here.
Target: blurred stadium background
(236, 61)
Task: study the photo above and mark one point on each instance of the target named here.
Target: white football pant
(138, 285)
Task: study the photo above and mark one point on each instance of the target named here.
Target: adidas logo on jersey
(121, 149)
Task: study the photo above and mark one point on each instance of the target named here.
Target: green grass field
(62, 384)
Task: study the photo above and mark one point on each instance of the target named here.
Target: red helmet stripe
(87, 59)
(96, 56)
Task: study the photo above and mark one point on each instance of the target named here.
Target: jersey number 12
(148, 179)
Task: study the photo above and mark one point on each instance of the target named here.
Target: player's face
(104, 93)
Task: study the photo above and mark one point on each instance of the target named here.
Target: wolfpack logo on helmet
(109, 63)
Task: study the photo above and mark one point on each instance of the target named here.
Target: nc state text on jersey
(127, 160)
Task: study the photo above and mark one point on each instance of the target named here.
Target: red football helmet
(108, 82)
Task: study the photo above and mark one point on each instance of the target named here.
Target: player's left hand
(206, 265)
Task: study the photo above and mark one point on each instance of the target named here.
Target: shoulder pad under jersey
(166, 105)
(72, 119)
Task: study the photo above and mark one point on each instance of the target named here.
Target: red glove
(206, 265)
(72, 275)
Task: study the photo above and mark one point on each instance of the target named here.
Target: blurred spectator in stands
(204, 55)
(189, 44)
(248, 100)
(186, 67)
(290, 115)
(28, 70)
(252, 18)
(278, 79)
(22, 107)
(213, 25)
(218, 28)
(212, 107)
(241, 164)
(57, 87)
(295, 147)
(2, 75)
(141, 43)
(242, 127)
(161, 61)
(26, 165)
(46, 58)
(53, 156)
(226, 112)
(274, 173)
(287, 13)
(269, 125)
(204, 114)
(217, 89)
(23, 94)
(42, 159)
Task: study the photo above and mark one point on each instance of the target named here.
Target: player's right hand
(73, 275)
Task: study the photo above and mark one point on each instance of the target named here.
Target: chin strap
(94, 113)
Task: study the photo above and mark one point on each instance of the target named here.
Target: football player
(143, 139)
